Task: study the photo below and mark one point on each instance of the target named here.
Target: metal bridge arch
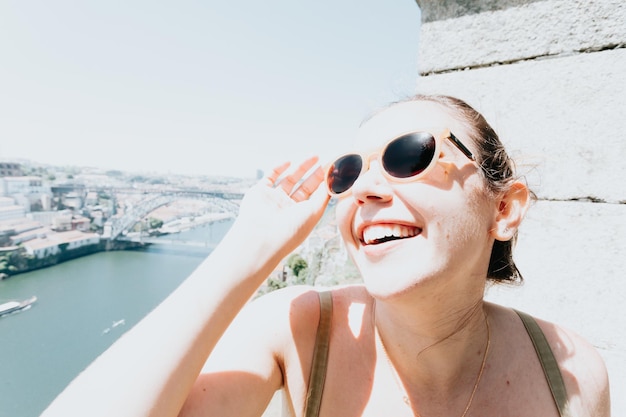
(152, 202)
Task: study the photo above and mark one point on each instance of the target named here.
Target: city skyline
(194, 88)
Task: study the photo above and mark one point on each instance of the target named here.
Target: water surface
(83, 306)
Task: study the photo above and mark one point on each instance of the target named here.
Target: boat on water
(14, 306)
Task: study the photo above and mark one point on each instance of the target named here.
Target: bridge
(115, 227)
(189, 192)
(168, 242)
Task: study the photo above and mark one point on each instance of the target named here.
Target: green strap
(548, 362)
(320, 357)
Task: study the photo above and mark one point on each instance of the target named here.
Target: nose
(372, 186)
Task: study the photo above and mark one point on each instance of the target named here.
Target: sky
(197, 87)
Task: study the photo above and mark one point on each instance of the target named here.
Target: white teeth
(375, 233)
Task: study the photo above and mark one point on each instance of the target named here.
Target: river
(83, 306)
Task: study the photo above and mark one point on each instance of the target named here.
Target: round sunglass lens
(344, 172)
(409, 154)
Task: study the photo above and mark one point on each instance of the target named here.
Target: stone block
(571, 255)
(562, 119)
(433, 10)
(542, 28)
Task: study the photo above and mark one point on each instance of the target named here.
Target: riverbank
(19, 262)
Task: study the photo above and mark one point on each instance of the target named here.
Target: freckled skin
(450, 205)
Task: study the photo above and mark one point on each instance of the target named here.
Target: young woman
(428, 208)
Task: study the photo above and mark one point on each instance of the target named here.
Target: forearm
(150, 370)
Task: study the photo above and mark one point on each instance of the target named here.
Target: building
(6, 201)
(29, 233)
(41, 248)
(12, 211)
(22, 185)
(47, 218)
(10, 169)
(62, 223)
(26, 190)
(55, 243)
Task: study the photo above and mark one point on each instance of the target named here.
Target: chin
(384, 291)
(387, 284)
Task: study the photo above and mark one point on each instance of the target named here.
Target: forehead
(407, 117)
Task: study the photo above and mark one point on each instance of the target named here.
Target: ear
(511, 208)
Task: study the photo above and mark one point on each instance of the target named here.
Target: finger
(316, 203)
(309, 185)
(320, 197)
(291, 180)
(277, 172)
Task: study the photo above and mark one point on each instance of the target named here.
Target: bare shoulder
(285, 300)
(291, 315)
(583, 369)
(298, 307)
(266, 347)
(275, 315)
(263, 326)
(301, 302)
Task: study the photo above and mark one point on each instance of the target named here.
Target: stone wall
(551, 78)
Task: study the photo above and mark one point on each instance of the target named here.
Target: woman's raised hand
(133, 378)
(281, 210)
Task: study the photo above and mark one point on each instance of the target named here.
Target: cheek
(460, 214)
(471, 219)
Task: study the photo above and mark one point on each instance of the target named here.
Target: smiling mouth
(381, 233)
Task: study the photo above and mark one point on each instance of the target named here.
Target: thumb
(319, 199)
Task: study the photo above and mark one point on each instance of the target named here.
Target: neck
(433, 342)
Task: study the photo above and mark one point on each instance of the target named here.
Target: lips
(384, 232)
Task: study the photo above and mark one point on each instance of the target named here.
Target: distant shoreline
(106, 245)
(187, 223)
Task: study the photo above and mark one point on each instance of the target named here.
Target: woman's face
(440, 222)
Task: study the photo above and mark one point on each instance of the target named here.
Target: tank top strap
(320, 356)
(548, 363)
(322, 342)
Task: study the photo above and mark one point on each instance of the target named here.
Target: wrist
(245, 253)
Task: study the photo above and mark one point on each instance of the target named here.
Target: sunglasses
(404, 158)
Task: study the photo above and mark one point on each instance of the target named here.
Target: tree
(154, 223)
(298, 265)
(274, 284)
(13, 262)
